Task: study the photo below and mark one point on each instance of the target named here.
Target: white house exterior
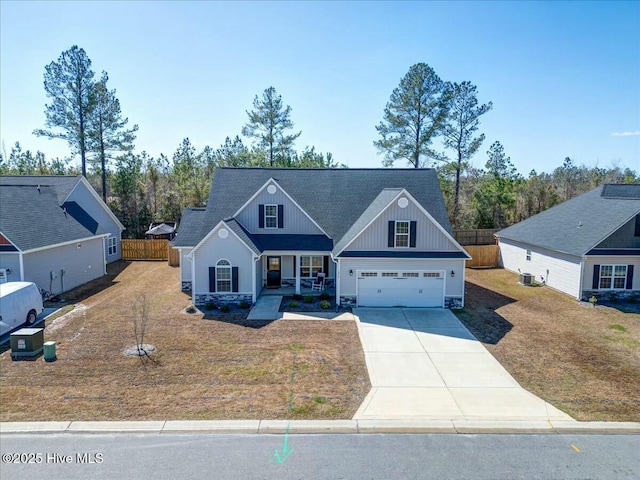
(589, 245)
(380, 236)
(55, 231)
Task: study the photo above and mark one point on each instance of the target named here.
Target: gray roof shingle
(64, 183)
(32, 218)
(188, 234)
(335, 198)
(577, 225)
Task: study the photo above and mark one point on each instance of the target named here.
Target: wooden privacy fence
(483, 255)
(149, 250)
(482, 236)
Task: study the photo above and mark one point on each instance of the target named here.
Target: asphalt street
(376, 456)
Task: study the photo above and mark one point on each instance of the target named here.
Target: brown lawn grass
(203, 369)
(583, 360)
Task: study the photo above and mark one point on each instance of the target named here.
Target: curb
(326, 427)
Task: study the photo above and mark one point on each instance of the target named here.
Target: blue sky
(564, 78)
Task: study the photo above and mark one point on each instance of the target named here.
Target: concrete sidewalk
(321, 426)
(424, 364)
(266, 308)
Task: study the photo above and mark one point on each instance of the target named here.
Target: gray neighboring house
(589, 245)
(380, 236)
(55, 231)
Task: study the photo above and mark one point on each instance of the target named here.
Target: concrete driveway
(424, 363)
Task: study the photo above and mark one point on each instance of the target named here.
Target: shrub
(294, 304)
(593, 300)
(297, 296)
(211, 306)
(613, 297)
(309, 299)
(225, 308)
(325, 304)
(325, 296)
(191, 309)
(632, 299)
(244, 304)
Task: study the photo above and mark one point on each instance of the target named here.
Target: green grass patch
(319, 399)
(617, 327)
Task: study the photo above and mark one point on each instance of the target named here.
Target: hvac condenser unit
(526, 279)
(26, 343)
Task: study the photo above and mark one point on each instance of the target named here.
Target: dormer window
(270, 216)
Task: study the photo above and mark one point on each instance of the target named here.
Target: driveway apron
(425, 364)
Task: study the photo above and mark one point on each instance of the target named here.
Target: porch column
(297, 273)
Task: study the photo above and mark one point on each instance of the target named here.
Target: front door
(273, 272)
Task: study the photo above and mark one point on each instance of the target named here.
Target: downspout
(20, 255)
(253, 279)
(193, 277)
(582, 260)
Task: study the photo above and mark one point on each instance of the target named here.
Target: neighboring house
(587, 245)
(55, 231)
(381, 236)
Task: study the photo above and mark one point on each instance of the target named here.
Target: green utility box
(50, 351)
(27, 343)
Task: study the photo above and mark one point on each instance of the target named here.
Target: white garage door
(400, 288)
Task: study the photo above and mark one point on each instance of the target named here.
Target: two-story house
(380, 236)
(589, 245)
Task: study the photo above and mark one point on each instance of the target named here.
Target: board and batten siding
(623, 237)
(294, 220)
(454, 286)
(96, 209)
(11, 260)
(428, 236)
(81, 261)
(560, 271)
(215, 248)
(590, 262)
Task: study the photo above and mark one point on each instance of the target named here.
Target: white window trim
(395, 234)
(226, 267)
(112, 246)
(613, 276)
(266, 207)
(311, 267)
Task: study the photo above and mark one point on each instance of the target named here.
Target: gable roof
(33, 218)
(64, 183)
(334, 198)
(188, 234)
(581, 223)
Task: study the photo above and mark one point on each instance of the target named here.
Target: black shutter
(280, 216)
(596, 277)
(392, 233)
(629, 277)
(325, 266)
(234, 279)
(412, 234)
(260, 216)
(212, 279)
(295, 274)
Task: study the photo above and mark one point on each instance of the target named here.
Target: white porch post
(298, 274)
(21, 267)
(254, 293)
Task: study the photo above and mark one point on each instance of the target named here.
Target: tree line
(423, 109)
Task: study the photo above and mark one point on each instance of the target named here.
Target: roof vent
(38, 188)
(579, 224)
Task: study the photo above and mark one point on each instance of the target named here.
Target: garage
(387, 288)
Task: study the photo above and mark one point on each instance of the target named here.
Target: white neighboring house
(381, 237)
(55, 231)
(589, 245)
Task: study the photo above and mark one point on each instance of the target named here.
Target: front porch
(288, 290)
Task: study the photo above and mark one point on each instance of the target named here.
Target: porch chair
(318, 283)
